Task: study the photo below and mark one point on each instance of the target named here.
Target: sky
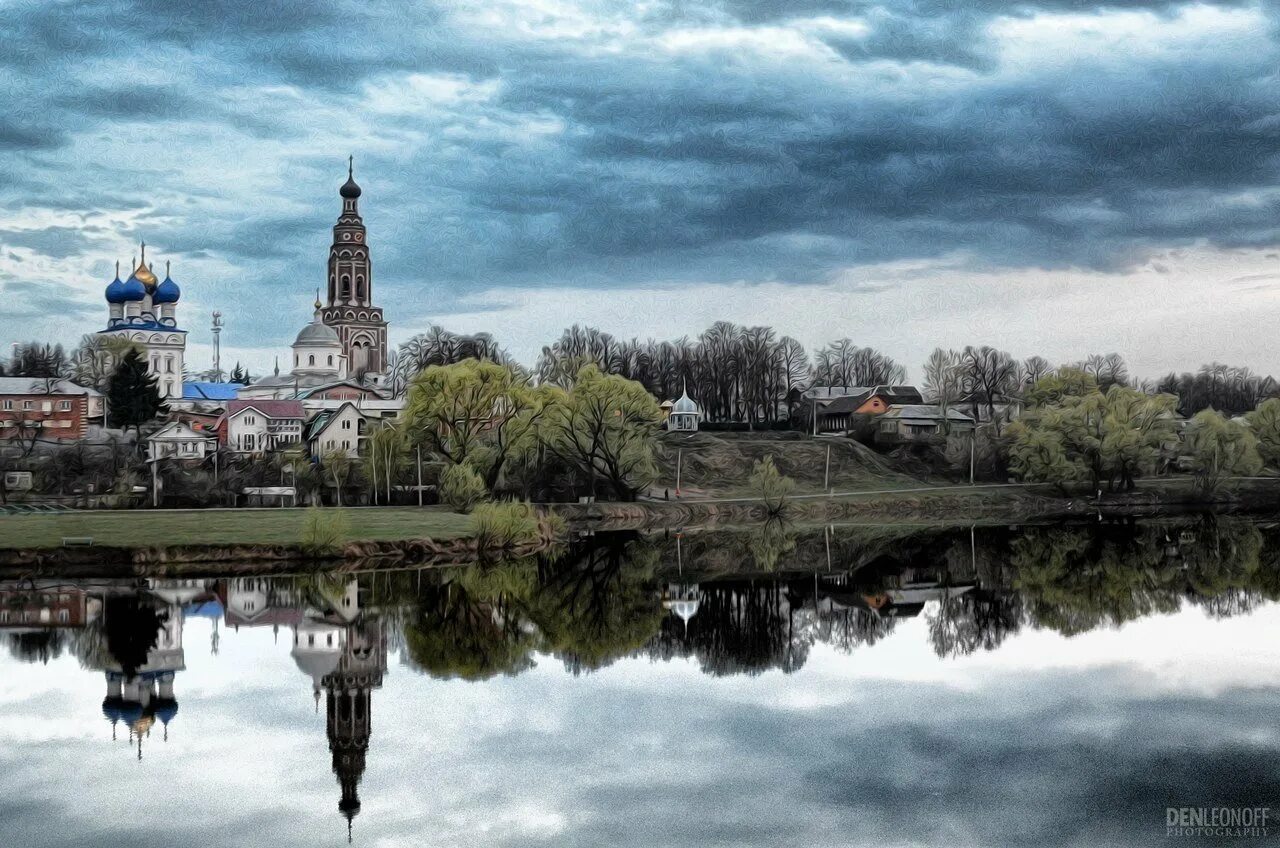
(1045, 741)
(1055, 177)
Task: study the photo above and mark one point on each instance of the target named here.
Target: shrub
(323, 530)
(461, 487)
(504, 525)
(771, 485)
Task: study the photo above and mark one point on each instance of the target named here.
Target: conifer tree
(132, 396)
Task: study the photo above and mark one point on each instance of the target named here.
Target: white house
(176, 440)
(258, 426)
(341, 429)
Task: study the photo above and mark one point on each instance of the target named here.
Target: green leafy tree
(475, 412)
(1265, 422)
(771, 485)
(132, 396)
(384, 452)
(1108, 440)
(337, 467)
(1064, 383)
(605, 427)
(461, 487)
(1220, 448)
(97, 358)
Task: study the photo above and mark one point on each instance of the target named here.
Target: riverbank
(1007, 503)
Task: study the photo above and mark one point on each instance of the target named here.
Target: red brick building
(32, 411)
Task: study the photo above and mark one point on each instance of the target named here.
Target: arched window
(311, 360)
(346, 287)
(331, 359)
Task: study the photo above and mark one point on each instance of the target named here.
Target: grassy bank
(720, 464)
(158, 528)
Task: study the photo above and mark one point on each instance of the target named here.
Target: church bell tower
(350, 309)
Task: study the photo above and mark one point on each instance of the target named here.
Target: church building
(350, 309)
(144, 311)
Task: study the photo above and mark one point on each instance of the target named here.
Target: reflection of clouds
(1045, 741)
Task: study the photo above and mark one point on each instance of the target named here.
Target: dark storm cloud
(611, 152)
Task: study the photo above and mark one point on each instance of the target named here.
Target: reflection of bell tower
(349, 688)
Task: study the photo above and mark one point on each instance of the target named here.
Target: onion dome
(350, 189)
(115, 289)
(133, 288)
(685, 404)
(168, 291)
(145, 276)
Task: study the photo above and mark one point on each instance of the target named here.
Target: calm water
(850, 686)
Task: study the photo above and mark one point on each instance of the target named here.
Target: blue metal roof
(199, 390)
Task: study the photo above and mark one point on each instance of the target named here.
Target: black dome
(349, 189)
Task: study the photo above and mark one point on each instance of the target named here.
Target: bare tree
(987, 375)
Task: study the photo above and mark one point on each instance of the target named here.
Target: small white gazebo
(684, 414)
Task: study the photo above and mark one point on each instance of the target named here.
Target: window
(331, 359)
(346, 425)
(311, 640)
(8, 404)
(63, 616)
(28, 404)
(311, 360)
(65, 405)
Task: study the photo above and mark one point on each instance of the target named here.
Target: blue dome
(133, 289)
(166, 292)
(115, 291)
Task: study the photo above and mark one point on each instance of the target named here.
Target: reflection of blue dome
(166, 292)
(111, 709)
(115, 291)
(166, 711)
(133, 289)
(130, 712)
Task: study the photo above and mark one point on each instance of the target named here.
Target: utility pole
(155, 483)
(973, 438)
(826, 474)
(679, 457)
(418, 448)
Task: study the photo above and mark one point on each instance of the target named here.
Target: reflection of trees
(974, 621)
(37, 645)
(598, 606)
(601, 601)
(769, 542)
(742, 627)
(469, 624)
(132, 628)
(1077, 579)
(591, 606)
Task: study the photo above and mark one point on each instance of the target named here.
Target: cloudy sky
(1056, 177)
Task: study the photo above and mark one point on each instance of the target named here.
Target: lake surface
(844, 686)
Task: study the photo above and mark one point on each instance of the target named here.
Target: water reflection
(736, 604)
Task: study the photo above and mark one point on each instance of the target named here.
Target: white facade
(342, 430)
(177, 440)
(250, 430)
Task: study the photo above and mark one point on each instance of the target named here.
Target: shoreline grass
(138, 528)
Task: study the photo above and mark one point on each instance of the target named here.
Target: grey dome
(318, 333)
(685, 404)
